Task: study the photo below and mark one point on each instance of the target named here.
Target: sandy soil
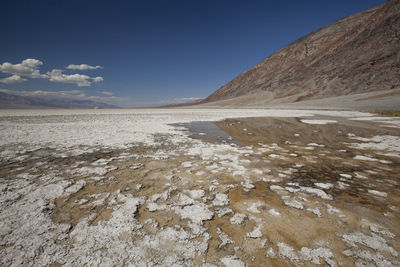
(199, 187)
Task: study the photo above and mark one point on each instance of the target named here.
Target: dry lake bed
(182, 187)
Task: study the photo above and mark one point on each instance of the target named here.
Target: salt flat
(118, 127)
(120, 187)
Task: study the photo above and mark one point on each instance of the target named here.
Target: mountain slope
(357, 54)
(17, 101)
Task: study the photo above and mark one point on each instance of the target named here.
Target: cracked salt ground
(180, 201)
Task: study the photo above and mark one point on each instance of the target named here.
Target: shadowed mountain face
(357, 54)
(16, 101)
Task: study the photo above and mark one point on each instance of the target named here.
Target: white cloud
(81, 80)
(28, 68)
(13, 79)
(83, 67)
(98, 79)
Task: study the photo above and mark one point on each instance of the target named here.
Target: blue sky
(140, 53)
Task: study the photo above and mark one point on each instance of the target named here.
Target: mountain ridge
(356, 54)
(12, 101)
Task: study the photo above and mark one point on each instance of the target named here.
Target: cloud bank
(29, 68)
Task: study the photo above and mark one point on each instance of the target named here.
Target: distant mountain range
(8, 100)
(357, 54)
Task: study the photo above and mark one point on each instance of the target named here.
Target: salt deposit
(127, 187)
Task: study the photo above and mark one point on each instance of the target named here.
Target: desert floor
(199, 187)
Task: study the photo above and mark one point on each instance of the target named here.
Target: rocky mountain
(357, 54)
(17, 101)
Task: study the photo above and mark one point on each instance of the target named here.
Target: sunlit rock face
(356, 54)
(120, 187)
